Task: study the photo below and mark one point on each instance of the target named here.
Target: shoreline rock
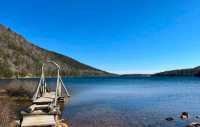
(184, 115)
(169, 119)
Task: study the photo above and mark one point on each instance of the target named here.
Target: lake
(131, 101)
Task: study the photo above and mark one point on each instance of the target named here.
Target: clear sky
(121, 36)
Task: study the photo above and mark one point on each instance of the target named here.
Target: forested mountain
(181, 72)
(19, 57)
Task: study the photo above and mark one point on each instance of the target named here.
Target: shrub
(5, 113)
(20, 88)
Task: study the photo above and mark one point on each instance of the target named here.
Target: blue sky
(121, 36)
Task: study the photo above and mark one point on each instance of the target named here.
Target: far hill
(135, 75)
(19, 57)
(181, 72)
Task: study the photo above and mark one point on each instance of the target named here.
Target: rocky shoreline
(185, 116)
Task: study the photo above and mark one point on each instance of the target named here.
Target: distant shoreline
(115, 76)
(1, 78)
(190, 72)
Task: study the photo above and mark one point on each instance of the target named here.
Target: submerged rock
(62, 123)
(169, 119)
(184, 115)
(194, 124)
(197, 117)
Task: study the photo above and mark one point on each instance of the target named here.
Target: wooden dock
(45, 111)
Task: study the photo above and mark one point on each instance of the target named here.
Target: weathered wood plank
(49, 95)
(43, 100)
(38, 107)
(38, 120)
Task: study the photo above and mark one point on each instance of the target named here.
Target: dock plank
(43, 100)
(38, 120)
(48, 97)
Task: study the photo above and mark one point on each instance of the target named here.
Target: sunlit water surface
(131, 101)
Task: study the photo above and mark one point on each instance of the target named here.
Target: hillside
(181, 72)
(135, 75)
(19, 57)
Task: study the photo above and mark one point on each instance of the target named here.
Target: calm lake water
(132, 101)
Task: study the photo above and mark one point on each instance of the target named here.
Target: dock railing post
(41, 83)
(64, 87)
(57, 83)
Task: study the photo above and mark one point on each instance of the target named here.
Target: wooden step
(38, 121)
(38, 107)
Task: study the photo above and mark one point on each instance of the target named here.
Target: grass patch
(14, 95)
